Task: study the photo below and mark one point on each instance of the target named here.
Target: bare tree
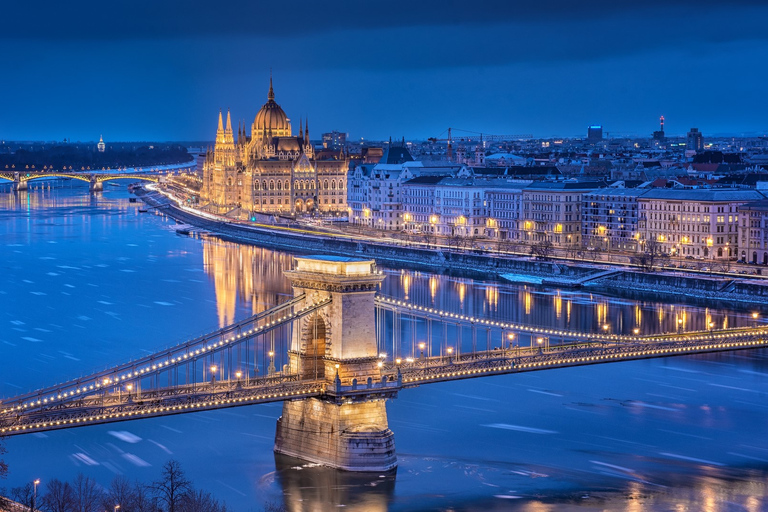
(58, 497)
(201, 501)
(141, 499)
(653, 255)
(87, 494)
(542, 249)
(24, 494)
(172, 487)
(120, 492)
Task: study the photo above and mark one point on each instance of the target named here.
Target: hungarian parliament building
(272, 171)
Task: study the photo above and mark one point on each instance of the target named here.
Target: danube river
(88, 281)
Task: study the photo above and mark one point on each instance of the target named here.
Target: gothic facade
(272, 171)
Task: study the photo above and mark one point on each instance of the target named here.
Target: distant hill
(87, 156)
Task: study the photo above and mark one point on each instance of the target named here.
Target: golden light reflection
(433, 287)
(568, 311)
(527, 299)
(462, 294)
(245, 273)
(558, 300)
(602, 313)
(405, 279)
(638, 315)
(492, 297)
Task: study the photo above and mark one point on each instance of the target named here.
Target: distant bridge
(335, 346)
(21, 179)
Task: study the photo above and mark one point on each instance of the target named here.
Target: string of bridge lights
(444, 315)
(542, 365)
(170, 409)
(189, 356)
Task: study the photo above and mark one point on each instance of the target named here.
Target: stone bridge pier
(337, 344)
(95, 185)
(18, 183)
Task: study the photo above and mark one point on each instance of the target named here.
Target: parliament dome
(271, 117)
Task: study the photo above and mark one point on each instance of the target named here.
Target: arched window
(271, 185)
(325, 185)
(333, 185)
(287, 185)
(279, 185)
(264, 185)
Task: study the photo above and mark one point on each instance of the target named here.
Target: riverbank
(522, 270)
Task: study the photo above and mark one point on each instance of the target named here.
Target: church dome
(272, 117)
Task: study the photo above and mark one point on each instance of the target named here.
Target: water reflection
(252, 275)
(308, 487)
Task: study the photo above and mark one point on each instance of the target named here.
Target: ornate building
(272, 171)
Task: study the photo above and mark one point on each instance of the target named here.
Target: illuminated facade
(271, 171)
(702, 224)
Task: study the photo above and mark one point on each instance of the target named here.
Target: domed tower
(270, 121)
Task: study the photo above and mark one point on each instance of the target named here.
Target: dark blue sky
(160, 70)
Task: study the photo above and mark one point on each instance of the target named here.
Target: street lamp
(636, 331)
(271, 369)
(34, 496)
(213, 375)
(450, 352)
(422, 346)
(679, 324)
(755, 316)
(117, 507)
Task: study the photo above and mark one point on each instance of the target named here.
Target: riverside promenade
(553, 271)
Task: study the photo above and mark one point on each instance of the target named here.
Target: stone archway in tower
(315, 347)
(299, 206)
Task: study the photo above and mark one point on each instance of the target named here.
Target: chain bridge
(95, 180)
(334, 354)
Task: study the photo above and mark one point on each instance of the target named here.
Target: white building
(702, 224)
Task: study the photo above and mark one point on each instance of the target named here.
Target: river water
(88, 281)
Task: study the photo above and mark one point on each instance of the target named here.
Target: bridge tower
(337, 344)
(18, 183)
(95, 185)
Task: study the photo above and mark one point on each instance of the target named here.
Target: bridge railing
(178, 363)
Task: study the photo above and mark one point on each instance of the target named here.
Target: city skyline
(149, 72)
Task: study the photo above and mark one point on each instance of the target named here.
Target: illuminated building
(101, 146)
(702, 224)
(271, 171)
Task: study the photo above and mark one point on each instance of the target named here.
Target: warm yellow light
(129, 387)
(238, 374)
(511, 336)
(271, 354)
(398, 360)
(558, 228)
(433, 219)
(755, 315)
(709, 242)
(422, 345)
(450, 350)
(636, 330)
(606, 327)
(214, 368)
